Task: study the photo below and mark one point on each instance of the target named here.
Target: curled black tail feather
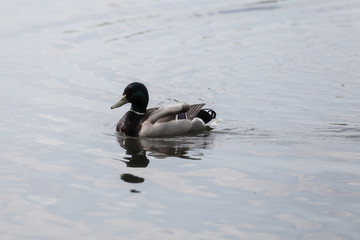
(206, 114)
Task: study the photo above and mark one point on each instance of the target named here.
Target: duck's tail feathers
(206, 114)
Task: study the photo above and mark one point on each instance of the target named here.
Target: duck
(171, 120)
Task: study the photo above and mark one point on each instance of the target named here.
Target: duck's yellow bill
(121, 102)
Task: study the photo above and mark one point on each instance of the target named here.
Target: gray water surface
(282, 160)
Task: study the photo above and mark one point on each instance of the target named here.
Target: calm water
(282, 160)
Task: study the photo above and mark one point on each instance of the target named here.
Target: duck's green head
(136, 94)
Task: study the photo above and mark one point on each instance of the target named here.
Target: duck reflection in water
(138, 150)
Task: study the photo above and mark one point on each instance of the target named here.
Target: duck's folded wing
(166, 111)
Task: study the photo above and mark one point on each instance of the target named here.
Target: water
(282, 160)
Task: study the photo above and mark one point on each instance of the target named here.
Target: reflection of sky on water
(277, 199)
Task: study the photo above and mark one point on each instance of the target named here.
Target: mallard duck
(171, 120)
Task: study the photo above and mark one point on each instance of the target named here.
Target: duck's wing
(173, 112)
(194, 110)
(158, 123)
(166, 113)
